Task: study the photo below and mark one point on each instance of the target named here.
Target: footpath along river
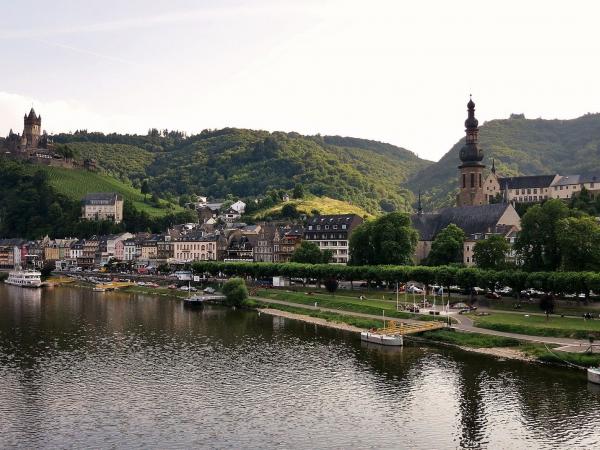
(105, 370)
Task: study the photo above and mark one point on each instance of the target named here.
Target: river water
(106, 370)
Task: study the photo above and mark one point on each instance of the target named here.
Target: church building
(473, 214)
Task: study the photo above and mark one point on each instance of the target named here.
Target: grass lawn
(538, 325)
(306, 205)
(473, 340)
(562, 307)
(548, 355)
(329, 316)
(344, 303)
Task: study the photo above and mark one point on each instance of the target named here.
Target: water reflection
(112, 369)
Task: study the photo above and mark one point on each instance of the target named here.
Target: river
(105, 370)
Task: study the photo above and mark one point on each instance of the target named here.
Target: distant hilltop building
(32, 138)
(102, 206)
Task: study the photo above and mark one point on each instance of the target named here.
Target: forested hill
(520, 146)
(248, 163)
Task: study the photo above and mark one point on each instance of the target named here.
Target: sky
(394, 71)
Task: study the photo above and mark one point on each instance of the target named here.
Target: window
(335, 227)
(535, 191)
(529, 191)
(343, 227)
(318, 227)
(464, 180)
(310, 228)
(327, 227)
(472, 180)
(480, 184)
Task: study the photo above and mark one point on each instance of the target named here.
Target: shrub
(235, 292)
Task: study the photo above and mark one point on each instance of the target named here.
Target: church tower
(471, 170)
(32, 127)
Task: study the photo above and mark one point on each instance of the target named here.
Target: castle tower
(32, 128)
(471, 170)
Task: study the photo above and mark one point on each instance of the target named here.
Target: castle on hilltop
(32, 137)
(35, 145)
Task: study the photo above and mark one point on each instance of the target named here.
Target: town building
(285, 243)
(508, 232)
(472, 220)
(13, 253)
(102, 206)
(567, 186)
(196, 246)
(332, 232)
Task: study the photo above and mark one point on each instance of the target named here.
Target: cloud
(62, 116)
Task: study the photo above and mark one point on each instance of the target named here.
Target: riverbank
(497, 346)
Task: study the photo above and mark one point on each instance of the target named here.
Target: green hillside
(75, 184)
(248, 163)
(126, 162)
(324, 205)
(520, 147)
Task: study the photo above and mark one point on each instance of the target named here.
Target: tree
(47, 269)
(184, 199)
(537, 243)
(235, 292)
(389, 239)
(579, 243)
(145, 188)
(289, 211)
(491, 253)
(309, 253)
(331, 284)
(547, 303)
(298, 191)
(447, 247)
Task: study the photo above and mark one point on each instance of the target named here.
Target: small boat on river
(382, 339)
(593, 374)
(195, 301)
(25, 278)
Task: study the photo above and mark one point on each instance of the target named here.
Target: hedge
(558, 282)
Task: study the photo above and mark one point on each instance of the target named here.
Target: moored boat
(194, 301)
(382, 339)
(593, 375)
(25, 278)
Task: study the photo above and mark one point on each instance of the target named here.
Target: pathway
(465, 324)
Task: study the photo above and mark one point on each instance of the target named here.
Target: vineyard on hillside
(75, 184)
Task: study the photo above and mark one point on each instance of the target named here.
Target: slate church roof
(471, 219)
(526, 182)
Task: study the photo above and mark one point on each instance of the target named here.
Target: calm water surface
(106, 370)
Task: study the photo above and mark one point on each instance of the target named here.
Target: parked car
(412, 289)
(492, 295)
(209, 290)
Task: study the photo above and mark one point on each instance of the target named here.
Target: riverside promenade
(464, 324)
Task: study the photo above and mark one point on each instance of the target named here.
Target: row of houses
(185, 243)
(537, 188)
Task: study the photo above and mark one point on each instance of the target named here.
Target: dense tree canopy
(309, 253)
(537, 243)
(447, 247)
(389, 239)
(31, 209)
(491, 253)
(578, 239)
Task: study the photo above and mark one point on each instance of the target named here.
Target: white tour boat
(25, 278)
(594, 375)
(382, 339)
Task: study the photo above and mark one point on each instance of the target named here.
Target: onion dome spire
(470, 154)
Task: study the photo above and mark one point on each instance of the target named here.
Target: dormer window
(343, 227)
